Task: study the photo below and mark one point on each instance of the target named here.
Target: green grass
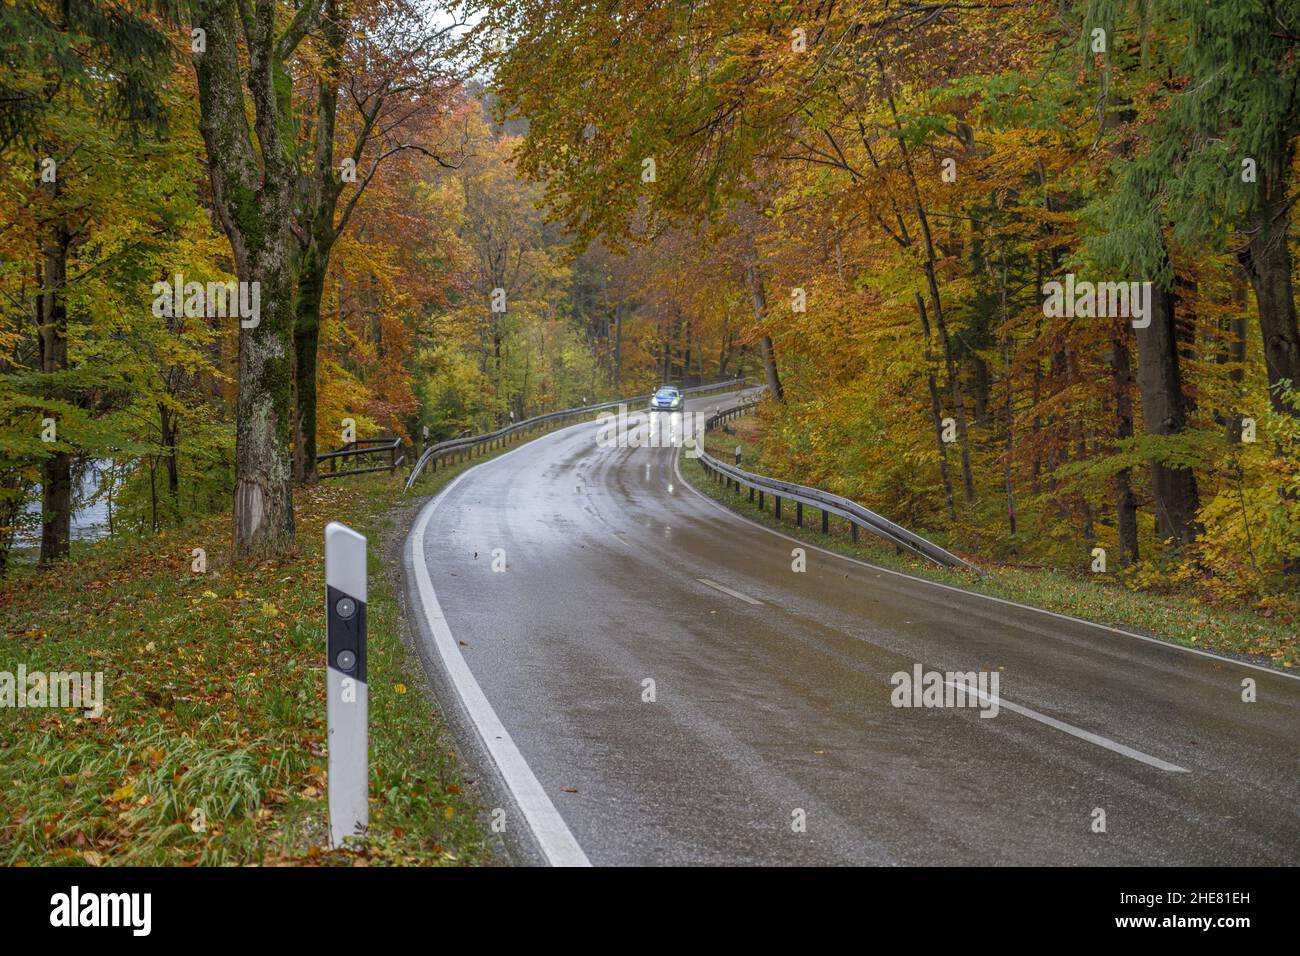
(1177, 618)
(211, 747)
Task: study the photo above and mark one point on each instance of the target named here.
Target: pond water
(89, 518)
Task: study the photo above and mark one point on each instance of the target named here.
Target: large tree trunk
(1267, 260)
(1164, 413)
(263, 511)
(253, 202)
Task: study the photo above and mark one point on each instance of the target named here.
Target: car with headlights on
(666, 399)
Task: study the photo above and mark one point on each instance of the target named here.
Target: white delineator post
(345, 666)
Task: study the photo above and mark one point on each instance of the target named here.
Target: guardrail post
(778, 505)
(760, 499)
(854, 526)
(826, 522)
(798, 514)
(347, 702)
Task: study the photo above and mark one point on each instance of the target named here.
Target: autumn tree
(240, 53)
(74, 73)
(386, 66)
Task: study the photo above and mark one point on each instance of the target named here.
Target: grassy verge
(211, 746)
(1179, 619)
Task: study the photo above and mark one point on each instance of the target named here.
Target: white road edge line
(988, 597)
(557, 843)
(1087, 735)
(726, 590)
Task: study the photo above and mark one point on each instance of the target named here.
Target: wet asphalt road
(772, 702)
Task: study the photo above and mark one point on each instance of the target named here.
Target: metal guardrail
(457, 449)
(387, 444)
(827, 503)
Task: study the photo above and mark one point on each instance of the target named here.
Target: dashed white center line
(1087, 735)
(726, 590)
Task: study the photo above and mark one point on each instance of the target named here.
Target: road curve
(771, 737)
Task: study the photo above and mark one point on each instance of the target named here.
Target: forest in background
(379, 231)
(899, 184)
(501, 208)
